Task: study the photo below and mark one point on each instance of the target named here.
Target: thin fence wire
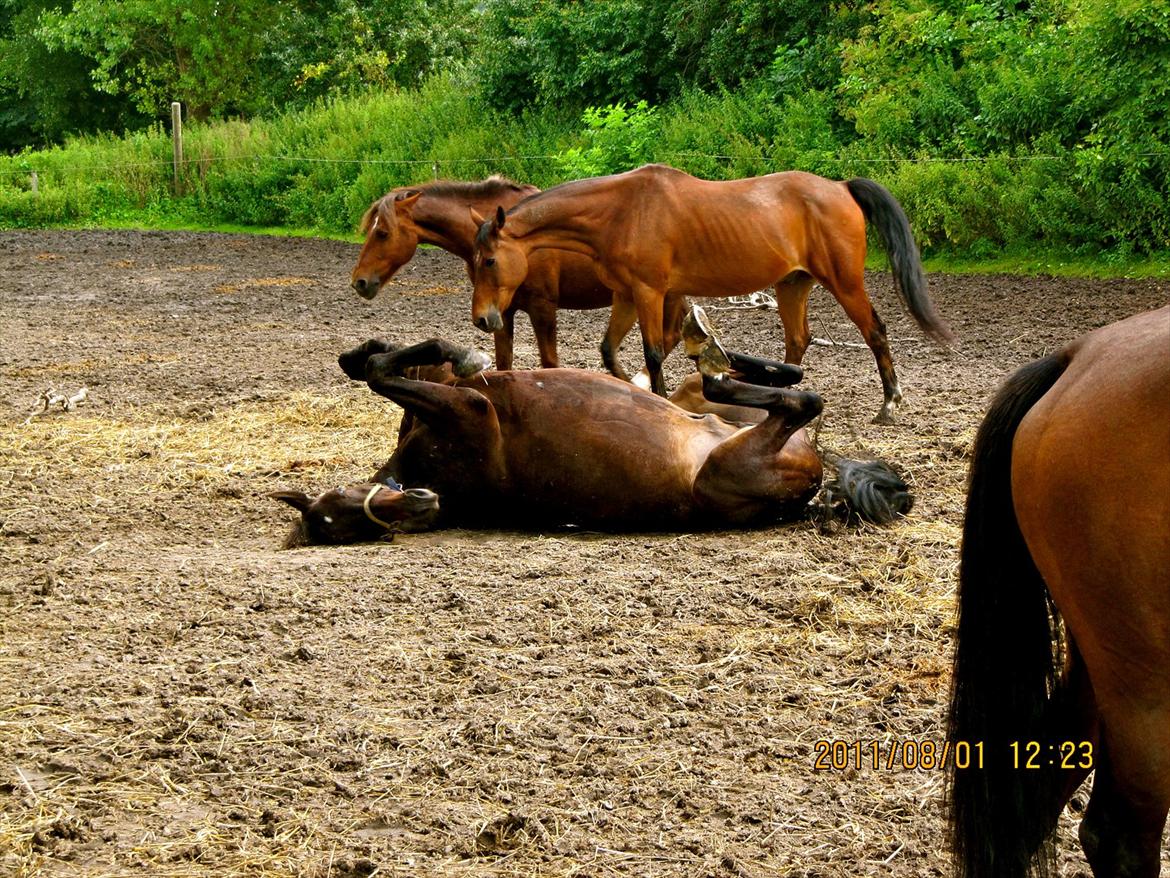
(437, 162)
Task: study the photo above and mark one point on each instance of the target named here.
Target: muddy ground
(179, 696)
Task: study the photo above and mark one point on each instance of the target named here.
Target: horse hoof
(884, 417)
(471, 363)
(702, 345)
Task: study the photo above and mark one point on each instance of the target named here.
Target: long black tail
(870, 488)
(886, 214)
(1004, 687)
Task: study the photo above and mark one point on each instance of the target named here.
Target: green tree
(46, 93)
(201, 52)
(329, 47)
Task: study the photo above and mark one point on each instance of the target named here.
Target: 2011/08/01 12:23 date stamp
(911, 754)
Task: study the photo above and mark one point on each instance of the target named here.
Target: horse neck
(566, 219)
(445, 220)
(445, 223)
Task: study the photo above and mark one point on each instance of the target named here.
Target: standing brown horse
(438, 214)
(1068, 518)
(657, 232)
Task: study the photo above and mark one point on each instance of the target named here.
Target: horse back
(724, 237)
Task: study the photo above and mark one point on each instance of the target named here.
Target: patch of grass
(1060, 263)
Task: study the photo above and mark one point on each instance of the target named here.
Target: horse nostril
(481, 323)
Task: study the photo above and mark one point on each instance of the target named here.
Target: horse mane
(475, 189)
(297, 537)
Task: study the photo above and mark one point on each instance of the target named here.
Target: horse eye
(490, 261)
(382, 234)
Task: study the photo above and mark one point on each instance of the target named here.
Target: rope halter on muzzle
(370, 513)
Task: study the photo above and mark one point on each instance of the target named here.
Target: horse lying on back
(566, 446)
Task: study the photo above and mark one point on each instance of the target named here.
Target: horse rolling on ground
(438, 214)
(567, 446)
(658, 233)
(1068, 518)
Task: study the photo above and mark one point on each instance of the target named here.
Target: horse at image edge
(1068, 527)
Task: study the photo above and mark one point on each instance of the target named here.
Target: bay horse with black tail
(438, 213)
(565, 446)
(657, 233)
(1062, 662)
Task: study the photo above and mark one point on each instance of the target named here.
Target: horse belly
(603, 454)
(732, 261)
(598, 480)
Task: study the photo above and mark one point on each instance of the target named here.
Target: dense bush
(998, 124)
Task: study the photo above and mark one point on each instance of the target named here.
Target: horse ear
(404, 201)
(476, 217)
(296, 499)
(500, 217)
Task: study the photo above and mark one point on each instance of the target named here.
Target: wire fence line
(437, 162)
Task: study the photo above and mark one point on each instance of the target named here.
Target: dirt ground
(180, 696)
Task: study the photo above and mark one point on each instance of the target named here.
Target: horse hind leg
(853, 298)
(622, 317)
(1122, 829)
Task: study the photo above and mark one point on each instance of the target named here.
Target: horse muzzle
(365, 287)
(421, 507)
(489, 322)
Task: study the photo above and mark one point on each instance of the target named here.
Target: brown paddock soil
(179, 696)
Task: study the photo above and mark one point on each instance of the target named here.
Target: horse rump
(1008, 654)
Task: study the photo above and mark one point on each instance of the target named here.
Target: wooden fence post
(177, 139)
(34, 182)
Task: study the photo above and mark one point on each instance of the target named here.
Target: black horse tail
(869, 488)
(885, 213)
(1007, 661)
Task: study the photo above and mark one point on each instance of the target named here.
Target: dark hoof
(809, 404)
(353, 362)
(701, 344)
(470, 363)
(378, 368)
(884, 418)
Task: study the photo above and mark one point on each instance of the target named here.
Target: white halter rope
(369, 513)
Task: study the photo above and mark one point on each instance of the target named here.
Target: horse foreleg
(649, 304)
(621, 320)
(792, 306)
(461, 456)
(761, 370)
(353, 362)
(457, 411)
(544, 324)
(762, 470)
(433, 352)
(503, 338)
(674, 308)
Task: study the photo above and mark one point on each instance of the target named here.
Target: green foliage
(616, 139)
(1000, 125)
(157, 51)
(46, 92)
